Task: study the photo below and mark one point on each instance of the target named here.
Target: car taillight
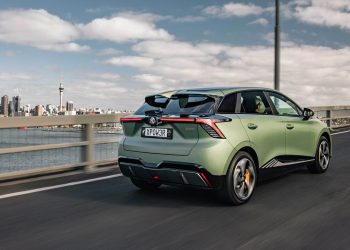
(209, 125)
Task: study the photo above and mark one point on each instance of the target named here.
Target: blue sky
(111, 53)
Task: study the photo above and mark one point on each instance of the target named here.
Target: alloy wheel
(323, 154)
(244, 178)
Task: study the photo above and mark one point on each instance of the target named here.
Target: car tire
(322, 157)
(239, 184)
(145, 185)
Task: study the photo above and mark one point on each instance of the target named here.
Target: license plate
(161, 133)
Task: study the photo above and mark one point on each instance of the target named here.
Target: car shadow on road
(122, 192)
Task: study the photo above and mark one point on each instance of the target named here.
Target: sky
(111, 53)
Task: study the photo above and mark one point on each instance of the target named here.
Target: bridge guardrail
(86, 141)
(333, 116)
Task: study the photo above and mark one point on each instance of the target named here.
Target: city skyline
(110, 54)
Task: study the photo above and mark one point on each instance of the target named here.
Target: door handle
(252, 126)
(290, 126)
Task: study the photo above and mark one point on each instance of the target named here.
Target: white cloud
(106, 76)
(335, 13)
(39, 29)
(15, 77)
(167, 49)
(156, 82)
(189, 19)
(323, 70)
(131, 61)
(142, 16)
(233, 9)
(260, 21)
(123, 28)
(285, 41)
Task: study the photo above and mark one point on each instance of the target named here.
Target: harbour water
(52, 157)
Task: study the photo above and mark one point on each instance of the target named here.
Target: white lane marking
(343, 132)
(36, 190)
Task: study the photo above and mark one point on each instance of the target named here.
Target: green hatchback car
(221, 139)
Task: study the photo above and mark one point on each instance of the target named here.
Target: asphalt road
(295, 211)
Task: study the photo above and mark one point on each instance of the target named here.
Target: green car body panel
(265, 136)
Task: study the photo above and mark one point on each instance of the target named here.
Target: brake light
(209, 125)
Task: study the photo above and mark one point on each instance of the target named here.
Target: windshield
(183, 105)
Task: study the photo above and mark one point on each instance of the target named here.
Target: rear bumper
(170, 173)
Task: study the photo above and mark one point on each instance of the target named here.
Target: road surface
(295, 211)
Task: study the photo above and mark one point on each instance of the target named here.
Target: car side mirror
(307, 113)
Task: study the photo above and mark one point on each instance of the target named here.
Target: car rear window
(184, 105)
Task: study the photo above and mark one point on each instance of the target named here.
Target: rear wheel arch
(252, 153)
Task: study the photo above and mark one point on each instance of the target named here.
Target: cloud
(106, 76)
(233, 10)
(16, 77)
(285, 41)
(189, 19)
(335, 13)
(39, 29)
(156, 82)
(260, 21)
(131, 61)
(123, 28)
(309, 69)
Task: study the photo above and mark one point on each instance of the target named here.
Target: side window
(254, 102)
(228, 105)
(283, 105)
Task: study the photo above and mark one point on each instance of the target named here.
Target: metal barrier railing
(46, 140)
(80, 132)
(333, 116)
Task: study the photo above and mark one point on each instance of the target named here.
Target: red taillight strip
(212, 124)
(209, 122)
(131, 119)
(169, 119)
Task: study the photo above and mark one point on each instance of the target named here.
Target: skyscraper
(5, 105)
(16, 101)
(69, 106)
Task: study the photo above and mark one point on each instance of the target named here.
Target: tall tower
(61, 97)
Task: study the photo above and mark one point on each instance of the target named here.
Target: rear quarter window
(228, 105)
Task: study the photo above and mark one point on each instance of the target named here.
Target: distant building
(11, 108)
(5, 105)
(26, 110)
(39, 110)
(69, 106)
(51, 109)
(16, 101)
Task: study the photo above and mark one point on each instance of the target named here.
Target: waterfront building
(16, 102)
(69, 106)
(39, 110)
(5, 105)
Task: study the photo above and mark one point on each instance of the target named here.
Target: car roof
(215, 91)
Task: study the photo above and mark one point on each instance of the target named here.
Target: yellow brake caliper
(247, 177)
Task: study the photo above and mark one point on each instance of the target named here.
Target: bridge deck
(297, 210)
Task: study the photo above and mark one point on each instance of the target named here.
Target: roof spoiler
(163, 99)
